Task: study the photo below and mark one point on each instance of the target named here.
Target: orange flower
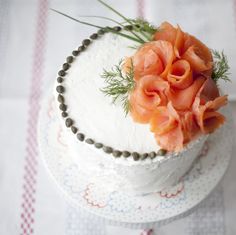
(173, 35)
(173, 129)
(166, 125)
(180, 74)
(153, 58)
(205, 105)
(174, 91)
(148, 94)
(189, 126)
(183, 99)
(187, 47)
(207, 117)
(209, 91)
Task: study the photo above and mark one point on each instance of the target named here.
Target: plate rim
(103, 217)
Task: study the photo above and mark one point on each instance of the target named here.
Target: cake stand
(118, 208)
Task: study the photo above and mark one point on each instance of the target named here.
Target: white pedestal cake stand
(126, 210)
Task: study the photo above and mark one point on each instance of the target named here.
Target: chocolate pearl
(135, 156)
(116, 153)
(59, 79)
(60, 98)
(117, 28)
(81, 48)
(152, 155)
(62, 73)
(66, 66)
(69, 122)
(107, 149)
(109, 28)
(80, 137)
(101, 31)
(75, 53)
(60, 89)
(69, 59)
(144, 156)
(161, 152)
(94, 36)
(89, 141)
(126, 154)
(128, 27)
(74, 129)
(98, 145)
(62, 107)
(86, 42)
(64, 114)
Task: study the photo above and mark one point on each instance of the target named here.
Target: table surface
(33, 44)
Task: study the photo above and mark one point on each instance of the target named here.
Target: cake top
(91, 110)
(144, 87)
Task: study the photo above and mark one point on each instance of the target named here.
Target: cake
(173, 108)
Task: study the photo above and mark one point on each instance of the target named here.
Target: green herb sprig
(119, 84)
(143, 26)
(220, 67)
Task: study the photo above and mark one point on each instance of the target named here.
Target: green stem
(82, 22)
(124, 35)
(106, 18)
(123, 17)
(100, 27)
(101, 17)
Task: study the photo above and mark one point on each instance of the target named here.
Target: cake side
(128, 175)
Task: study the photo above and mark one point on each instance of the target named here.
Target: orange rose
(166, 125)
(148, 94)
(207, 117)
(173, 35)
(189, 126)
(180, 74)
(153, 58)
(183, 99)
(205, 105)
(174, 91)
(187, 47)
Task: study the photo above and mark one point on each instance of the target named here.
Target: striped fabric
(33, 43)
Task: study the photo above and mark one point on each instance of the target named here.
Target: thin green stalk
(123, 17)
(101, 17)
(106, 18)
(81, 22)
(123, 35)
(97, 26)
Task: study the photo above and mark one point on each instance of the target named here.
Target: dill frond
(119, 85)
(220, 67)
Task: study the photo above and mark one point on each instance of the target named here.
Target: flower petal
(205, 111)
(180, 74)
(171, 34)
(183, 99)
(163, 120)
(166, 125)
(153, 58)
(172, 140)
(147, 96)
(198, 64)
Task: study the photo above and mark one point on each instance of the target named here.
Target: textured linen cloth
(33, 44)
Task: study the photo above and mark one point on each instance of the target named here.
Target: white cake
(100, 121)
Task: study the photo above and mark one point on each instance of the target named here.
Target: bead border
(70, 123)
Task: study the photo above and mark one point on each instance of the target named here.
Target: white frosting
(98, 119)
(91, 110)
(125, 174)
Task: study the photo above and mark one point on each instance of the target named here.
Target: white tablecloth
(33, 44)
